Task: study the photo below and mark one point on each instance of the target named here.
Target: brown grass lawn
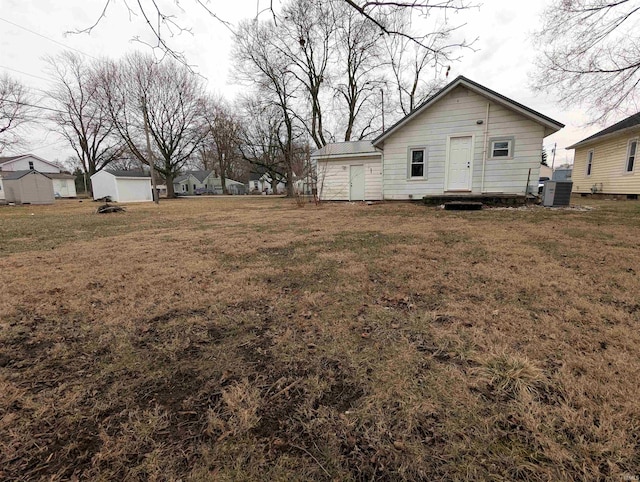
(250, 339)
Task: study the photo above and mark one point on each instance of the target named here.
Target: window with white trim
(589, 162)
(184, 188)
(631, 155)
(417, 162)
(501, 148)
(31, 165)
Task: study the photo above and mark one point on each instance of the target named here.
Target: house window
(589, 162)
(631, 155)
(501, 148)
(30, 165)
(184, 188)
(417, 162)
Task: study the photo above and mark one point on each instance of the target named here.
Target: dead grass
(251, 339)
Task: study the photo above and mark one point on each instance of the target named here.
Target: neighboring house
(466, 140)
(191, 181)
(27, 162)
(199, 182)
(122, 186)
(64, 185)
(233, 187)
(261, 181)
(28, 187)
(563, 173)
(606, 162)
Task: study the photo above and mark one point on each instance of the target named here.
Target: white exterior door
(356, 183)
(460, 159)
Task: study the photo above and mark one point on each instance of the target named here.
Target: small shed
(122, 186)
(64, 185)
(28, 187)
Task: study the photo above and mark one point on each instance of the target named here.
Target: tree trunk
(290, 190)
(223, 180)
(169, 182)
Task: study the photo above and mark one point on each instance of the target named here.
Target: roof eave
(341, 156)
(588, 142)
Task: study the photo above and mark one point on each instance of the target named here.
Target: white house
(63, 184)
(204, 182)
(262, 182)
(122, 186)
(466, 140)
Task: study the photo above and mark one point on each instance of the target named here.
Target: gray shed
(28, 187)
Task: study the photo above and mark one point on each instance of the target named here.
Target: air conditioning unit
(557, 193)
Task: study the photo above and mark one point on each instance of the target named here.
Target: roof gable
(8, 159)
(547, 122)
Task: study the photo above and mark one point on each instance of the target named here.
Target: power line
(33, 105)
(24, 73)
(46, 38)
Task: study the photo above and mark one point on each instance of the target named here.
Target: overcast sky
(503, 60)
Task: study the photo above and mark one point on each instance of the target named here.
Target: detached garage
(122, 186)
(349, 171)
(28, 187)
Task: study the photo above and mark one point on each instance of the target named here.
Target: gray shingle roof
(60, 175)
(199, 175)
(631, 121)
(13, 175)
(121, 173)
(346, 149)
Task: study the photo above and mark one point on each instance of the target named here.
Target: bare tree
(416, 70)
(261, 145)
(223, 138)
(269, 70)
(305, 37)
(359, 75)
(79, 117)
(163, 21)
(171, 99)
(589, 55)
(15, 111)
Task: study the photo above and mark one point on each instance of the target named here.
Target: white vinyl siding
(608, 175)
(333, 177)
(29, 162)
(121, 189)
(457, 114)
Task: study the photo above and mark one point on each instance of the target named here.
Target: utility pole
(154, 191)
(382, 93)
